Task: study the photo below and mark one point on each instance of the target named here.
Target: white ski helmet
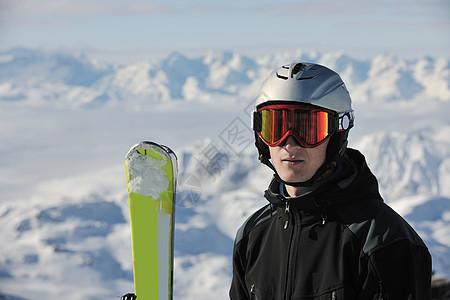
(314, 85)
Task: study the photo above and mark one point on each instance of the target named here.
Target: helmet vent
(283, 72)
(287, 71)
(297, 68)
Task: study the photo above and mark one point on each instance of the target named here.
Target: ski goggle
(310, 125)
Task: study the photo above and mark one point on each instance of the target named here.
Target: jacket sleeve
(401, 271)
(238, 290)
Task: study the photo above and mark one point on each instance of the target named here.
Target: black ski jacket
(339, 242)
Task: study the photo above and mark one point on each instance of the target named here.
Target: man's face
(295, 163)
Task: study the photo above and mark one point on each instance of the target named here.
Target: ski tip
(150, 145)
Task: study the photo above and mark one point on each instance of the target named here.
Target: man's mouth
(292, 161)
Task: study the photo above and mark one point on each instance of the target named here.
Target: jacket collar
(352, 181)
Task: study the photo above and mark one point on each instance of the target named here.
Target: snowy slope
(66, 122)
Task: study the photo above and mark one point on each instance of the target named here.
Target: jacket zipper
(333, 295)
(324, 216)
(287, 212)
(293, 218)
(252, 292)
(293, 246)
(382, 296)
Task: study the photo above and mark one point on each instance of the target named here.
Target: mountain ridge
(74, 79)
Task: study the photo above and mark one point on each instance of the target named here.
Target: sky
(408, 28)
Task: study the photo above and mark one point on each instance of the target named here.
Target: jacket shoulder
(257, 218)
(379, 225)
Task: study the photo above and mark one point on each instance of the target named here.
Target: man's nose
(291, 142)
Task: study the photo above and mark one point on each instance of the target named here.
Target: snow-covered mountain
(73, 79)
(67, 120)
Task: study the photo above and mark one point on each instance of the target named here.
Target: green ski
(151, 171)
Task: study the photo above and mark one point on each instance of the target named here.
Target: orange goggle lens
(309, 125)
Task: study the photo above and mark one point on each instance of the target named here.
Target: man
(326, 233)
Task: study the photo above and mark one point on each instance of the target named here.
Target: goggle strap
(345, 120)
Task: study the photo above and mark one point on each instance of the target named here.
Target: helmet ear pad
(337, 145)
(263, 148)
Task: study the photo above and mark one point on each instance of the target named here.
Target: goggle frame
(336, 122)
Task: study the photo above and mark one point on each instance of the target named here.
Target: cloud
(357, 8)
(105, 8)
(27, 8)
(72, 7)
(29, 13)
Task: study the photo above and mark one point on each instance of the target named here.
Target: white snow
(146, 175)
(66, 123)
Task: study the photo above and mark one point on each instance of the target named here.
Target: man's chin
(295, 179)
